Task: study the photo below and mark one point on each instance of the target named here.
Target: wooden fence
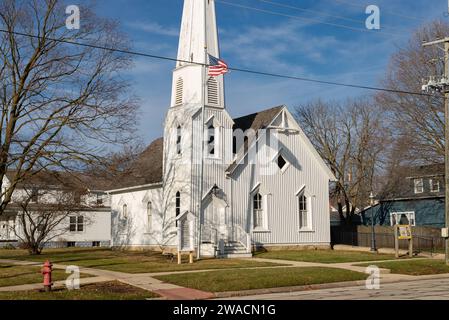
(424, 238)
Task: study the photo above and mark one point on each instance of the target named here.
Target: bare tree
(61, 104)
(418, 120)
(351, 139)
(43, 215)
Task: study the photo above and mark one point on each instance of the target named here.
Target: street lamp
(373, 234)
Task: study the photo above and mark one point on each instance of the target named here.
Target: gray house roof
(402, 183)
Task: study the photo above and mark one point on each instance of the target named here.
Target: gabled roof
(263, 120)
(255, 122)
(147, 169)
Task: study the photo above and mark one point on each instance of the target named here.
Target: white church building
(216, 185)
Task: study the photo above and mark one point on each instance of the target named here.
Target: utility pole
(442, 85)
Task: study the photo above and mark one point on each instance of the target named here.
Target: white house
(218, 185)
(85, 220)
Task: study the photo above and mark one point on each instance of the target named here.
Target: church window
(178, 205)
(211, 141)
(281, 162)
(125, 211)
(179, 91)
(178, 140)
(212, 91)
(149, 217)
(305, 220)
(258, 211)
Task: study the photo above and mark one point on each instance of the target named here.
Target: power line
(309, 19)
(287, 6)
(275, 75)
(325, 14)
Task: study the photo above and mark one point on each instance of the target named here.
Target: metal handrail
(240, 235)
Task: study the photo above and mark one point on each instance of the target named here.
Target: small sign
(405, 232)
(445, 232)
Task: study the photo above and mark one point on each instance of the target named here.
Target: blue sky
(254, 40)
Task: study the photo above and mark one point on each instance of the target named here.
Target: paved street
(435, 289)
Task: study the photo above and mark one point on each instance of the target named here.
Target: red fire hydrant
(46, 271)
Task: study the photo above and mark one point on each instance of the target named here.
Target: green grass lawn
(129, 262)
(323, 256)
(100, 291)
(415, 267)
(237, 280)
(12, 275)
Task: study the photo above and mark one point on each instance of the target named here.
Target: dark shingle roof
(402, 182)
(59, 179)
(147, 169)
(257, 120)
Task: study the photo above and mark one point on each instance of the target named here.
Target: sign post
(403, 232)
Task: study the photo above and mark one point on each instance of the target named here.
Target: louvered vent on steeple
(179, 91)
(212, 91)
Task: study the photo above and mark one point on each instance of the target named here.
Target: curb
(334, 285)
(230, 294)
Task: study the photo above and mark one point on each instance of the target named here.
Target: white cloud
(274, 47)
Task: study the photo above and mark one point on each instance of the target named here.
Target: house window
(434, 185)
(76, 224)
(419, 185)
(211, 140)
(99, 199)
(179, 91)
(149, 217)
(34, 198)
(402, 218)
(304, 212)
(258, 211)
(178, 140)
(77, 197)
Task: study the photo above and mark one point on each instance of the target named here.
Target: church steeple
(198, 33)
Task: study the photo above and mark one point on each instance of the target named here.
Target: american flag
(217, 67)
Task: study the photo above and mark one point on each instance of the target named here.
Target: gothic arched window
(178, 203)
(211, 140)
(178, 140)
(149, 216)
(258, 211)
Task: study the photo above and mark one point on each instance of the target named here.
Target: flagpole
(203, 110)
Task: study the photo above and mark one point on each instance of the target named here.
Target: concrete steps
(234, 250)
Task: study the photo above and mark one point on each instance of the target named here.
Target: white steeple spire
(194, 35)
(198, 32)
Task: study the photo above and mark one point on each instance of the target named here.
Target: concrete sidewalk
(143, 281)
(147, 281)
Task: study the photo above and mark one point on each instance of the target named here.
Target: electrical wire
(287, 6)
(337, 25)
(248, 71)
